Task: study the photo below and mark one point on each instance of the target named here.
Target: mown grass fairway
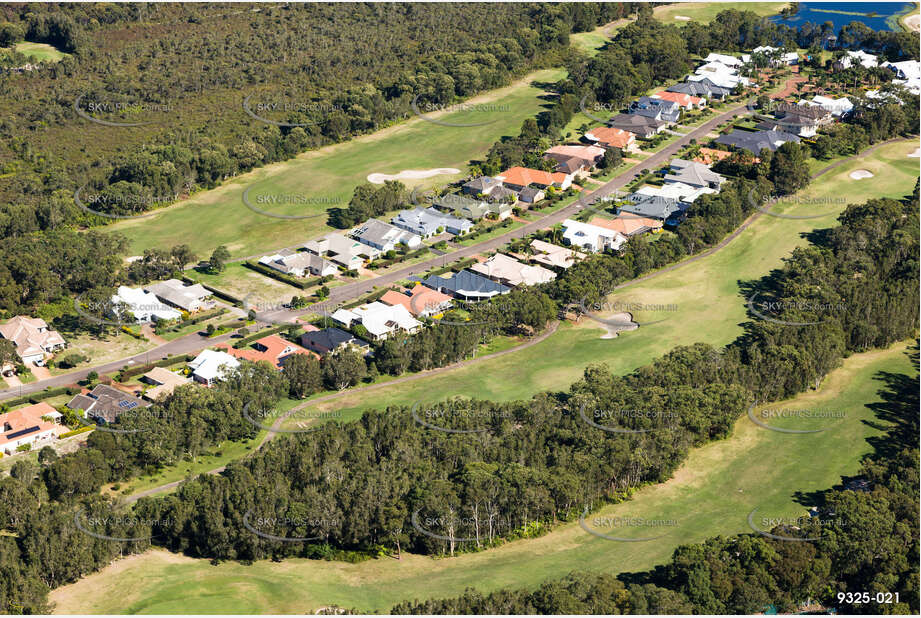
(706, 293)
(326, 178)
(711, 494)
(705, 11)
(39, 52)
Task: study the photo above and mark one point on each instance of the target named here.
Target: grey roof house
(755, 141)
(639, 125)
(467, 208)
(384, 236)
(481, 186)
(466, 285)
(427, 221)
(186, 297)
(660, 109)
(703, 88)
(329, 340)
(106, 403)
(652, 206)
(299, 264)
(693, 174)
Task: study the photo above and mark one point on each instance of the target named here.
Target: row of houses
(165, 300)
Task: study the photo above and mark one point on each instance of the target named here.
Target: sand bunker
(916, 153)
(914, 22)
(618, 322)
(861, 174)
(379, 179)
(682, 18)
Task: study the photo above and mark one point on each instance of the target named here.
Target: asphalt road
(350, 291)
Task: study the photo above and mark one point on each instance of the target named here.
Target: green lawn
(328, 176)
(706, 11)
(711, 494)
(39, 52)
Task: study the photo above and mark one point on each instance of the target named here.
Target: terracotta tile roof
(28, 420)
(618, 138)
(421, 300)
(272, 349)
(680, 98)
(523, 176)
(627, 225)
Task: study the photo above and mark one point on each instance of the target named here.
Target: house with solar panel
(105, 404)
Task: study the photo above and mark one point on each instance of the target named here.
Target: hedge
(126, 374)
(201, 317)
(42, 395)
(233, 300)
(75, 432)
(263, 333)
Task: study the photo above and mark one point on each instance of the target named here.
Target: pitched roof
(754, 141)
(523, 176)
(31, 335)
(692, 173)
(106, 403)
(213, 364)
(653, 206)
(618, 138)
(375, 232)
(483, 184)
(272, 349)
(554, 255)
(331, 339)
(628, 226)
(466, 283)
(26, 421)
(635, 123)
(709, 156)
(167, 382)
(177, 293)
(418, 301)
(380, 319)
(512, 272)
(681, 98)
(588, 153)
(595, 237)
(427, 221)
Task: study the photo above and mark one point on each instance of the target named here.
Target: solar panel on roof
(127, 405)
(22, 432)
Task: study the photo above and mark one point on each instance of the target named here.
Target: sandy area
(916, 153)
(379, 179)
(682, 18)
(913, 22)
(612, 328)
(861, 174)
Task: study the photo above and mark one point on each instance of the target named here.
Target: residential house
(428, 222)
(553, 255)
(651, 206)
(331, 340)
(481, 186)
(797, 124)
(723, 59)
(531, 195)
(835, 107)
(105, 403)
(32, 425)
(719, 74)
(850, 58)
(420, 301)
(272, 349)
(385, 237)
(511, 272)
(639, 125)
(777, 56)
(709, 156)
(343, 251)
(755, 141)
(466, 285)
(683, 100)
(575, 160)
(658, 109)
(299, 264)
(467, 208)
(629, 226)
(211, 366)
(678, 191)
(694, 174)
(33, 339)
(144, 306)
(908, 74)
(703, 88)
(164, 383)
(517, 178)
(611, 137)
(190, 298)
(380, 320)
(591, 238)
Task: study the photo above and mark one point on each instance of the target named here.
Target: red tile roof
(24, 418)
(682, 99)
(618, 138)
(524, 176)
(276, 349)
(422, 300)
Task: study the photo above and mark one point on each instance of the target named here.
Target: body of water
(874, 14)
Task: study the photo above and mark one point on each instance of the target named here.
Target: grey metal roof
(755, 141)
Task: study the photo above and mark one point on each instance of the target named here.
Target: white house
(385, 237)
(212, 365)
(591, 237)
(299, 264)
(729, 61)
(379, 320)
(143, 305)
(33, 338)
(860, 57)
(837, 107)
